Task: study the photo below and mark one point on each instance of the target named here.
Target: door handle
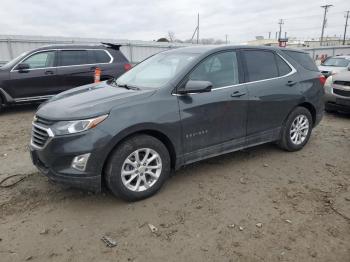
(237, 94)
(49, 72)
(291, 83)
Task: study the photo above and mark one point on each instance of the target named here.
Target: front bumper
(55, 159)
(336, 102)
(92, 183)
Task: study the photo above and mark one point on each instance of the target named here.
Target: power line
(324, 21)
(346, 25)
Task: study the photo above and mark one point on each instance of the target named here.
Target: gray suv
(173, 109)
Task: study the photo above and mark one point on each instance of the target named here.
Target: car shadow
(344, 115)
(23, 108)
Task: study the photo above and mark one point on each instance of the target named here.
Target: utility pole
(226, 39)
(280, 22)
(324, 21)
(346, 25)
(198, 29)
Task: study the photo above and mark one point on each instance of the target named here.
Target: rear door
(108, 64)
(272, 84)
(39, 80)
(74, 68)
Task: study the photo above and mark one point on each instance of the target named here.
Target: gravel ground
(260, 204)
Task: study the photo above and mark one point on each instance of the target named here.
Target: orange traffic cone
(97, 75)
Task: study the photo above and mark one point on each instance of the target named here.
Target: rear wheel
(297, 130)
(138, 168)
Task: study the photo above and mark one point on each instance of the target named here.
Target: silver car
(337, 92)
(335, 64)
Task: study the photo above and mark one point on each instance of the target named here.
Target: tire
(137, 182)
(291, 141)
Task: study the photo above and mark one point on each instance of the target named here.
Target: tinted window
(260, 64)
(41, 60)
(283, 67)
(220, 69)
(100, 56)
(73, 57)
(303, 59)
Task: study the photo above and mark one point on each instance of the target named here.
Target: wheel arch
(311, 109)
(161, 136)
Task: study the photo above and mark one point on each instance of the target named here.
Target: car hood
(88, 101)
(343, 76)
(333, 69)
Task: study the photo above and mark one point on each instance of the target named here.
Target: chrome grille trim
(41, 136)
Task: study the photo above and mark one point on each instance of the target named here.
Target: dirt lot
(261, 204)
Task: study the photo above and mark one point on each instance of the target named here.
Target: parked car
(49, 70)
(335, 64)
(175, 108)
(337, 92)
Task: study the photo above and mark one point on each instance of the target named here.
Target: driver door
(39, 80)
(211, 120)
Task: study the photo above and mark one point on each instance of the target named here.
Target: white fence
(135, 51)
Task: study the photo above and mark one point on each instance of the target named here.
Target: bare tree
(171, 36)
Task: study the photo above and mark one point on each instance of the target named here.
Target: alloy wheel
(141, 169)
(299, 129)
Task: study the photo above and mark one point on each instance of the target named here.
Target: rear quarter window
(100, 57)
(303, 59)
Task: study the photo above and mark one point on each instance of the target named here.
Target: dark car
(47, 71)
(175, 108)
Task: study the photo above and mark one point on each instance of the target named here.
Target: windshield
(15, 60)
(338, 62)
(157, 70)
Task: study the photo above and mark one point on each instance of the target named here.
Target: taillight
(322, 79)
(127, 67)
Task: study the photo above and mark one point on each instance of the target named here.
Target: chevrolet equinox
(175, 108)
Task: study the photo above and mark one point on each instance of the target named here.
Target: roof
(212, 48)
(342, 56)
(73, 46)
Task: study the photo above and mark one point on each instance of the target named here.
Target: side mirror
(194, 86)
(22, 67)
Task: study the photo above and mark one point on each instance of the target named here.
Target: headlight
(328, 82)
(76, 126)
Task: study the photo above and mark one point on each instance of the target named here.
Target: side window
(220, 69)
(41, 60)
(260, 64)
(73, 57)
(283, 67)
(100, 56)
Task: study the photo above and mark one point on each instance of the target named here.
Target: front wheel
(296, 130)
(138, 168)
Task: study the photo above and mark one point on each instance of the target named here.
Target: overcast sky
(241, 20)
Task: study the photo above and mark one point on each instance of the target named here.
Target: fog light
(79, 162)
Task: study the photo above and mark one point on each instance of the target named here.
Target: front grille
(341, 92)
(342, 83)
(39, 136)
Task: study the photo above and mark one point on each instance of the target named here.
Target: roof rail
(113, 46)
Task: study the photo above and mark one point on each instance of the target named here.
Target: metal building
(13, 45)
